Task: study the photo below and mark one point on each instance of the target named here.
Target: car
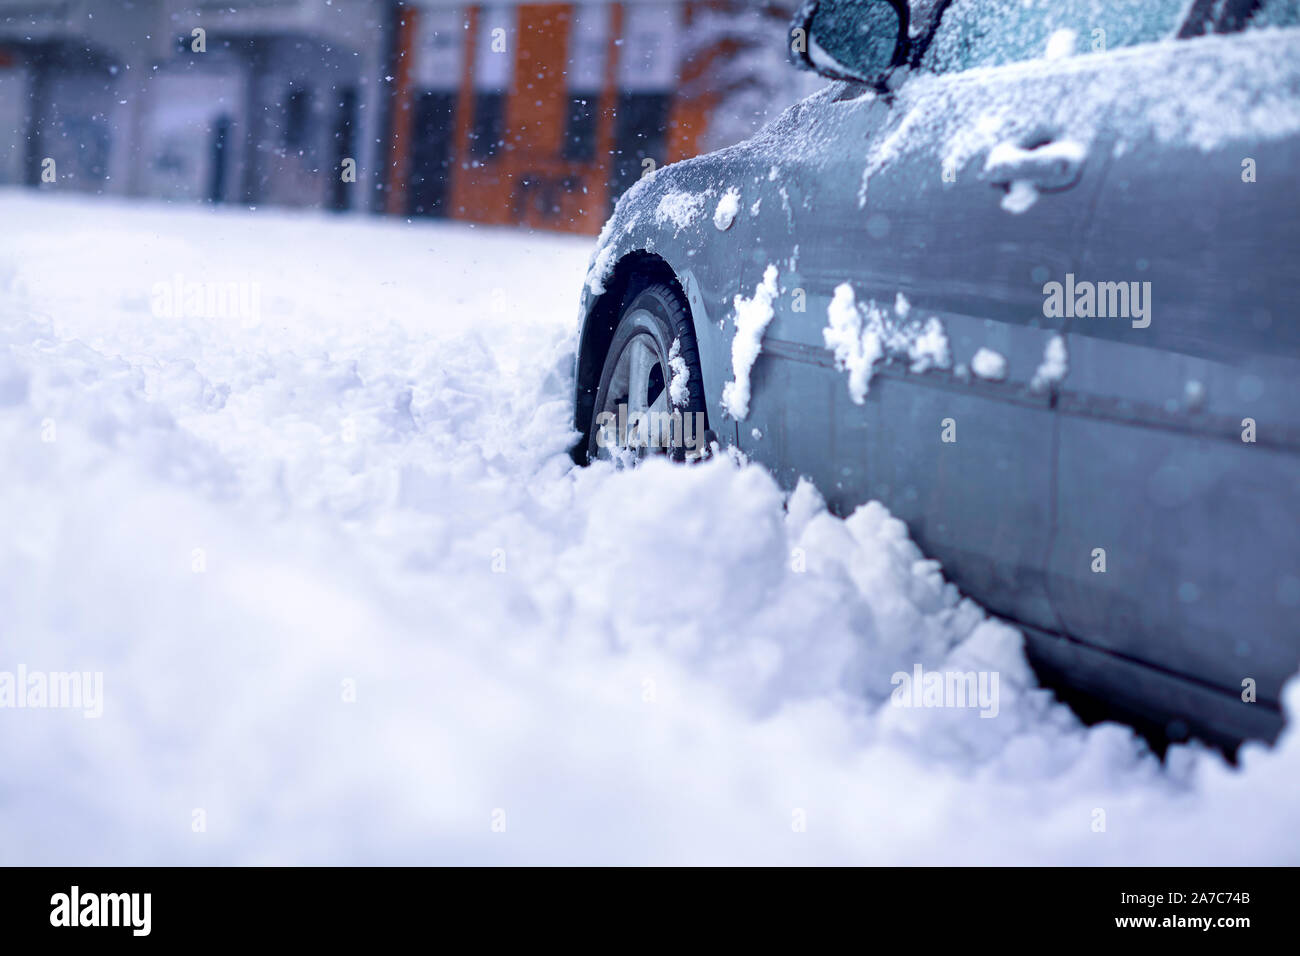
(1024, 273)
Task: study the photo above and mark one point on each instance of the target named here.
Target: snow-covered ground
(352, 603)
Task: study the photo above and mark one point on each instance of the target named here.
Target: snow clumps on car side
(678, 393)
(990, 365)
(728, 209)
(1054, 367)
(752, 318)
(1060, 44)
(682, 209)
(856, 349)
(862, 336)
(602, 267)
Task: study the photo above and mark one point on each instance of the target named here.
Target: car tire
(654, 344)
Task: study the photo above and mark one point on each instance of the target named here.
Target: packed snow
(353, 603)
(602, 267)
(856, 349)
(751, 319)
(1054, 367)
(1060, 44)
(902, 307)
(861, 336)
(728, 209)
(990, 365)
(928, 346)
(1020, 196)
(682, 209)
(678, 391)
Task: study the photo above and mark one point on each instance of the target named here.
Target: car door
(952, 199)
(1178, 467)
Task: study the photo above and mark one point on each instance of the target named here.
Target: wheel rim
(640, 385)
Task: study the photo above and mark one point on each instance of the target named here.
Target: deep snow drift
(352, 602)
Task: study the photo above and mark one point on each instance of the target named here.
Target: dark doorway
(340, 197)
(432, 134)
(487, 135)
(581, 127)
(220, 158)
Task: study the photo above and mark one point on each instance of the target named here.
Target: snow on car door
(921, 373)
(1179, 462)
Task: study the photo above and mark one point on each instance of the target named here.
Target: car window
(977, 33)
(1276, 13)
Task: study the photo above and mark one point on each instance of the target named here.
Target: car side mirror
(858, 40)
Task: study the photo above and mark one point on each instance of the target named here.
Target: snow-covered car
(1024, 272)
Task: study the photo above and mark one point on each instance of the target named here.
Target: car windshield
(976, 33)
(1277, 13)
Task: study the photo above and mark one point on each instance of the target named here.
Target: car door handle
(1053, 165)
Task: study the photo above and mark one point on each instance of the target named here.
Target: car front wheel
(651, 395)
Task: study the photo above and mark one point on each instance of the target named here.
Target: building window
(640, 133)
(647, 72)
(651, 43)
(439, 72)
(585, 70)
(493, 74)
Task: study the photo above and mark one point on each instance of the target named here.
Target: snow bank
(353, 604)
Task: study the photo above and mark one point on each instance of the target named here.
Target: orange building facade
(537, 113)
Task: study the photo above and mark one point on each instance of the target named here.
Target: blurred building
(191, 99)
(536, 113)
(533, 113)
